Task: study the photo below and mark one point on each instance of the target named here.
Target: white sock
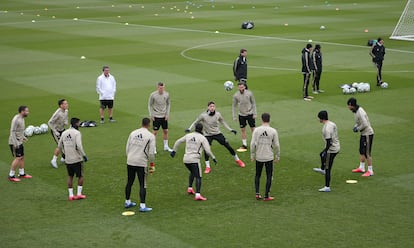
(362, 165)
(165, 143)
(207, 163)
(142, 205)
(79, 190)
(197, 195)
(236, 157)
(70, 192)
(128, 201)
(54, 158)
(12, 173)
(370, 169)
(21, 171)
(244, 141)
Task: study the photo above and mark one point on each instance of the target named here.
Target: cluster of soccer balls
(30, 130)
(228, 85)
(355, 87)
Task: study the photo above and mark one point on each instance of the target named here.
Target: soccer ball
(28, 132)
(355, 84)
(37, 130)
(384, 85)
(322, 27)
(352, 90)
(345, 90)
(228, 85)
(44, 128)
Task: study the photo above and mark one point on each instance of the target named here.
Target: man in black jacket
(377, 53)
(316, 69)
(306, 70)
(240, 67)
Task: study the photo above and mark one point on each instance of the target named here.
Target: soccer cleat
(13, 179)
(168, 149)
(258, 197)
(242, 148)
(269, 198)
(368, 174)
(54, 164)
(80, 197)
(190, 191)
(307, 99)
(358, 170)
(112, 120)
(319, 170)
(240, 163)
(71, 198)
(25, 176)
(315, 92)
(200, 198)
(321, 91)
(102, 122)
(146, 209)
(207, 170)
(130, 205)
(325, 189)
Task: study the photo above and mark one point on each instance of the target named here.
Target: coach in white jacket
(106, 88)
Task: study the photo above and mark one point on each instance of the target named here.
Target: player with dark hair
(265, 149)
(70, 143)
(332, 147)
(106, 88)
(363, 125)
(316, 69)
(240, 67)
(16, 140)
(210, 121)
(306, 70)
(57, 124)
(244, 100)
(377, 53)
(159, 111)
(195, 144)
(139, 150)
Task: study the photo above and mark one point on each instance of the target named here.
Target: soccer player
(210, 121)
(195, 144)
(306, 70)
(377, 53)
(106, 88)
(159, 111)
(363, 125)
(16, 140)
(140, 149)
(316, 69)
(265, 149)
(332, 147)
(244, 100)
(240, 67)
(70, 144)
(57, 124)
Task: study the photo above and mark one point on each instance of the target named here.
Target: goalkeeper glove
(152, 168)
(215, 161)
(172, 154)
(234, 131)
(355, 129)
(85, 158)
(187, 130)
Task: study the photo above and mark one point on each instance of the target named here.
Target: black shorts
(159, 122)
(55, 137)
(107, 103)
(243, 120)
(18, 151)
(365, 145)
(219, 137)
(75, 169)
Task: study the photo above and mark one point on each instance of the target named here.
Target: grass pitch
(177, 43)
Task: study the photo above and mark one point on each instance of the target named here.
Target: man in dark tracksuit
(377, 53)
(240, 67)
(306, 70)
(316, 69)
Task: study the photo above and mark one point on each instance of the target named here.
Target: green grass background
(40, 63)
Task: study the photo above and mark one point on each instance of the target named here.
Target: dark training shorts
(243, 120)
(75, 169)
(107, 104)
(159, 122)
(18, 151)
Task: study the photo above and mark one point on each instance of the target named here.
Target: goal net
(405, 26)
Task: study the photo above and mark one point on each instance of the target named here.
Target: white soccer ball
(352, 90)
(322, 27)
(228, 85)
(345, 90)
(384, 85)
(367, 87)
(44, 128)
(355, 84)
(36, 130)
(28, 132)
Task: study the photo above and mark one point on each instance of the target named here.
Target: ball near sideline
(228, 85)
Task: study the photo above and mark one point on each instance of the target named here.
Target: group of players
(140, 148)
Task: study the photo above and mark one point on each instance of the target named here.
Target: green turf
(41, 63)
